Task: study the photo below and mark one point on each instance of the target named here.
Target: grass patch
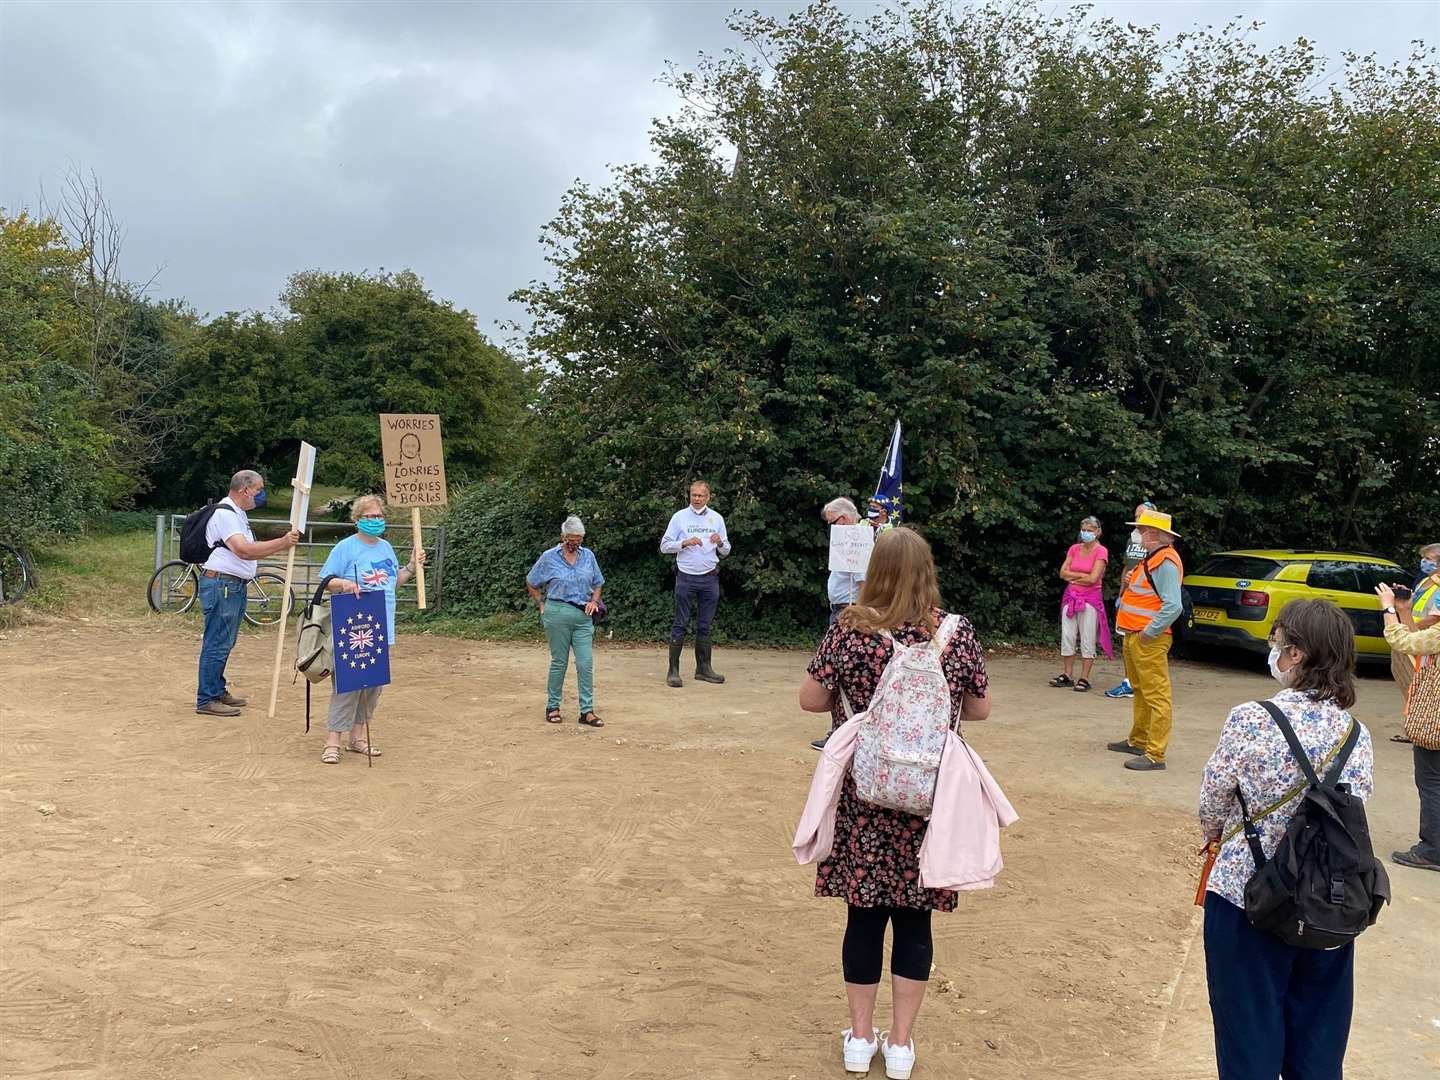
(104, 573)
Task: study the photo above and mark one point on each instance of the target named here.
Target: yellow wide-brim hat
(1156, 520)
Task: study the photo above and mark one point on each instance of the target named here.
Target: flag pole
(419, 566)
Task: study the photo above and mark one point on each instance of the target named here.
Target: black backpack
(194, 548)
(1324, 885)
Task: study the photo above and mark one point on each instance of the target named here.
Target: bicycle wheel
(16, 574)
(173, 588)
(263, 600)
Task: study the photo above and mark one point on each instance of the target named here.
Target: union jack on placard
(361, 640)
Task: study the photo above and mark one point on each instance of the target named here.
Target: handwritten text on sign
(413, 458)
(850, 547)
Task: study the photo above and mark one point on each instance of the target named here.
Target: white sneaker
(899, 1060)
(858, 1052)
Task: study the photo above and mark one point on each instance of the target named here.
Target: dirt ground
(501, 898)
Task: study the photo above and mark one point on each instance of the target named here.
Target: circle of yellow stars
(368, 660)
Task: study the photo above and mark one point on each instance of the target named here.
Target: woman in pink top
(1083, 621)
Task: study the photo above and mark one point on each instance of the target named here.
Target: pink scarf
(1076, 599)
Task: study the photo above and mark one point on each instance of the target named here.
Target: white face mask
(1284, 678)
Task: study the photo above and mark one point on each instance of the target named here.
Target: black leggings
(863, 953)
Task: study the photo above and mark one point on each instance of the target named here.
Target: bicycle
(175, 587)
(17, 574)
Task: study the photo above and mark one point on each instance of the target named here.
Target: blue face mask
(1086, 536)
(372, 526)
(1427, 566)
(259, 499)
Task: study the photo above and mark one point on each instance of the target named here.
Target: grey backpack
(314, 651)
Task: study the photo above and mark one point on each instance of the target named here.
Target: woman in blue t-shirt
(565, 581)
(363, 562)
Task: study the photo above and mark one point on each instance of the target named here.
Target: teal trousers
(566, 628)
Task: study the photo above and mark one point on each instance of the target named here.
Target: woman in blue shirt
(565, 581)
(363, 562)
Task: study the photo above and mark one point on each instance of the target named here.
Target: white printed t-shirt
(696, 559)
(228, 520)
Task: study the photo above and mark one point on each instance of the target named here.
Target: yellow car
(1236, 595)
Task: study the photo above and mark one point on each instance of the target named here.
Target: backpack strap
(1252, 834)
(941, 640)
(1298, 752)
(219, 506)
(319, 594)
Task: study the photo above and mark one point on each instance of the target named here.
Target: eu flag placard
(361, 641)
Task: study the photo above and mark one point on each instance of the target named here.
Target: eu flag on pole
(358, 633)
(889, 492)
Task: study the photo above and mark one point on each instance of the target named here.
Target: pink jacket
(962, 845)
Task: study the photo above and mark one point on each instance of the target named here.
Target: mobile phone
(1402, 592)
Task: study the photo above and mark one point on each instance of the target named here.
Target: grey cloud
(243, 142)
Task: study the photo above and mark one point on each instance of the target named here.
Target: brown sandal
(552, 716)
(594, 720)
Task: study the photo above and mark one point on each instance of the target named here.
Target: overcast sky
(240, 142)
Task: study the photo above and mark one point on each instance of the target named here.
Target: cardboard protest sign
(362, 646)
(850, 548)
(413, 458)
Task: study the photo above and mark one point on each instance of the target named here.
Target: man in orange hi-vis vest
(1149, 603)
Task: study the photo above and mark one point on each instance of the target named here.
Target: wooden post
(284, 629)
(419, 567)
(299, 522)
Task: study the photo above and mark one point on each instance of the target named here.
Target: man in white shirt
(842, 588)
(696, 537)
(224, 579)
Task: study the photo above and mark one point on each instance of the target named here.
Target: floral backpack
(902, 733)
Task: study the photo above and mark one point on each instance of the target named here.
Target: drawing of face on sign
(409, 450)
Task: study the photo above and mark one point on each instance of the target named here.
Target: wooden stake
(284, 629)
(419, 567)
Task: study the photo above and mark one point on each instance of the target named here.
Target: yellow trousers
(1147, 666)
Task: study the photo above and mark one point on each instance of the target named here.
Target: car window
(1337, 576)
(1239, 566)
(1371, 575)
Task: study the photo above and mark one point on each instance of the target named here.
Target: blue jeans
(1278, 1009)
(697, 593)
(223, 601)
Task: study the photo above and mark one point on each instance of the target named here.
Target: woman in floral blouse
(874, 864)
(1278, 1007)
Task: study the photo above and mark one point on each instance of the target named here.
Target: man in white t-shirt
(224, 579)
(696, 537)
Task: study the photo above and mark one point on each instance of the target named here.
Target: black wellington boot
(703, 671)
(673, 678)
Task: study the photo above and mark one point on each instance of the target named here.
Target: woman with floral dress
(1279, 1009)
(874, 865)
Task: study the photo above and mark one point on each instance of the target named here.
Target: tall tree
(1082, 263)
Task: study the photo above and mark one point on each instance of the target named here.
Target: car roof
(1288, 555)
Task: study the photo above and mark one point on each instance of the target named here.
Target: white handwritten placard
(850, 547)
